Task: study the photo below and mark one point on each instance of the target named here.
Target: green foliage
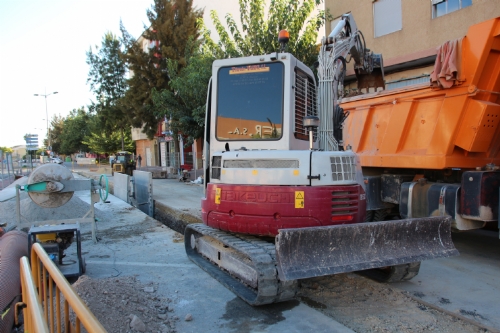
(260, 36)
(76, 128)
(184, 104)
(6, 149)
(102, 143)
(107, 70)
(107, 81)
(56, 130)
(172, 23)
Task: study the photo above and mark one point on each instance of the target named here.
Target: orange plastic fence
(45, 289)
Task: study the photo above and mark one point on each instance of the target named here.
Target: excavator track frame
(262, 255)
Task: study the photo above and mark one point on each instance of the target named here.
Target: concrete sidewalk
(176, 203)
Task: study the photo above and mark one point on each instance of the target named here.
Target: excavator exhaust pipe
(309, 252)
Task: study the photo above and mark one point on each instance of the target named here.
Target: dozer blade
(317, 251)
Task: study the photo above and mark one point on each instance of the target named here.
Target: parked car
(79, 156)
(56, 160)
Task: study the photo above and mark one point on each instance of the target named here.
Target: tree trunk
(123, 140)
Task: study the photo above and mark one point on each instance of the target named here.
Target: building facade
(18, 152)
(407, 32)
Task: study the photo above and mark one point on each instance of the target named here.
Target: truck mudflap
(309, 252)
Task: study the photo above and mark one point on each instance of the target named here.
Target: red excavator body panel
(263, 210)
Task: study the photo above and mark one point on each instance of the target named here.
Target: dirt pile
(364, 305)
(123, 304)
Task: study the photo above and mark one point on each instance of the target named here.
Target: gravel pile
(31, 212)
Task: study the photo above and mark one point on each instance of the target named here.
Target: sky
(43, 47)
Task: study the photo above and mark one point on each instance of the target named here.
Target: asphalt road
(467, 284)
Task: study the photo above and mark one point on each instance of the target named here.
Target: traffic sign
(31, 141)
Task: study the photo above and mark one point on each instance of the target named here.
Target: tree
(107, 81)
(185, 103)
(101, 143)
(173, 22)
(76, 128)
(6, 149)
(56, 130)
(260, 36)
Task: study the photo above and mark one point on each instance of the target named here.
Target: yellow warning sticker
(217, 195)
(299, 199)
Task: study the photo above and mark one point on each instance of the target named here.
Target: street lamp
(47, 114)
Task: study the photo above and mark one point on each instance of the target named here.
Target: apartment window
(387, 17)
(443, 7)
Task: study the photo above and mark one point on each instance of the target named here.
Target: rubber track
(261, 253)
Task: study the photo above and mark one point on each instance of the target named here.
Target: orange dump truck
(427, 150)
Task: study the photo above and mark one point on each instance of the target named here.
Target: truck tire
(376, 215)
(389, 274)
(397, 273)
(380, 215)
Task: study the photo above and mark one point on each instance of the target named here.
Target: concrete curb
(173, 218)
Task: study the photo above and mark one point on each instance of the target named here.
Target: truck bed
(424, 127)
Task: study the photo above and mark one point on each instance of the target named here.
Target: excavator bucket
(371, 79)
(317, 251)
